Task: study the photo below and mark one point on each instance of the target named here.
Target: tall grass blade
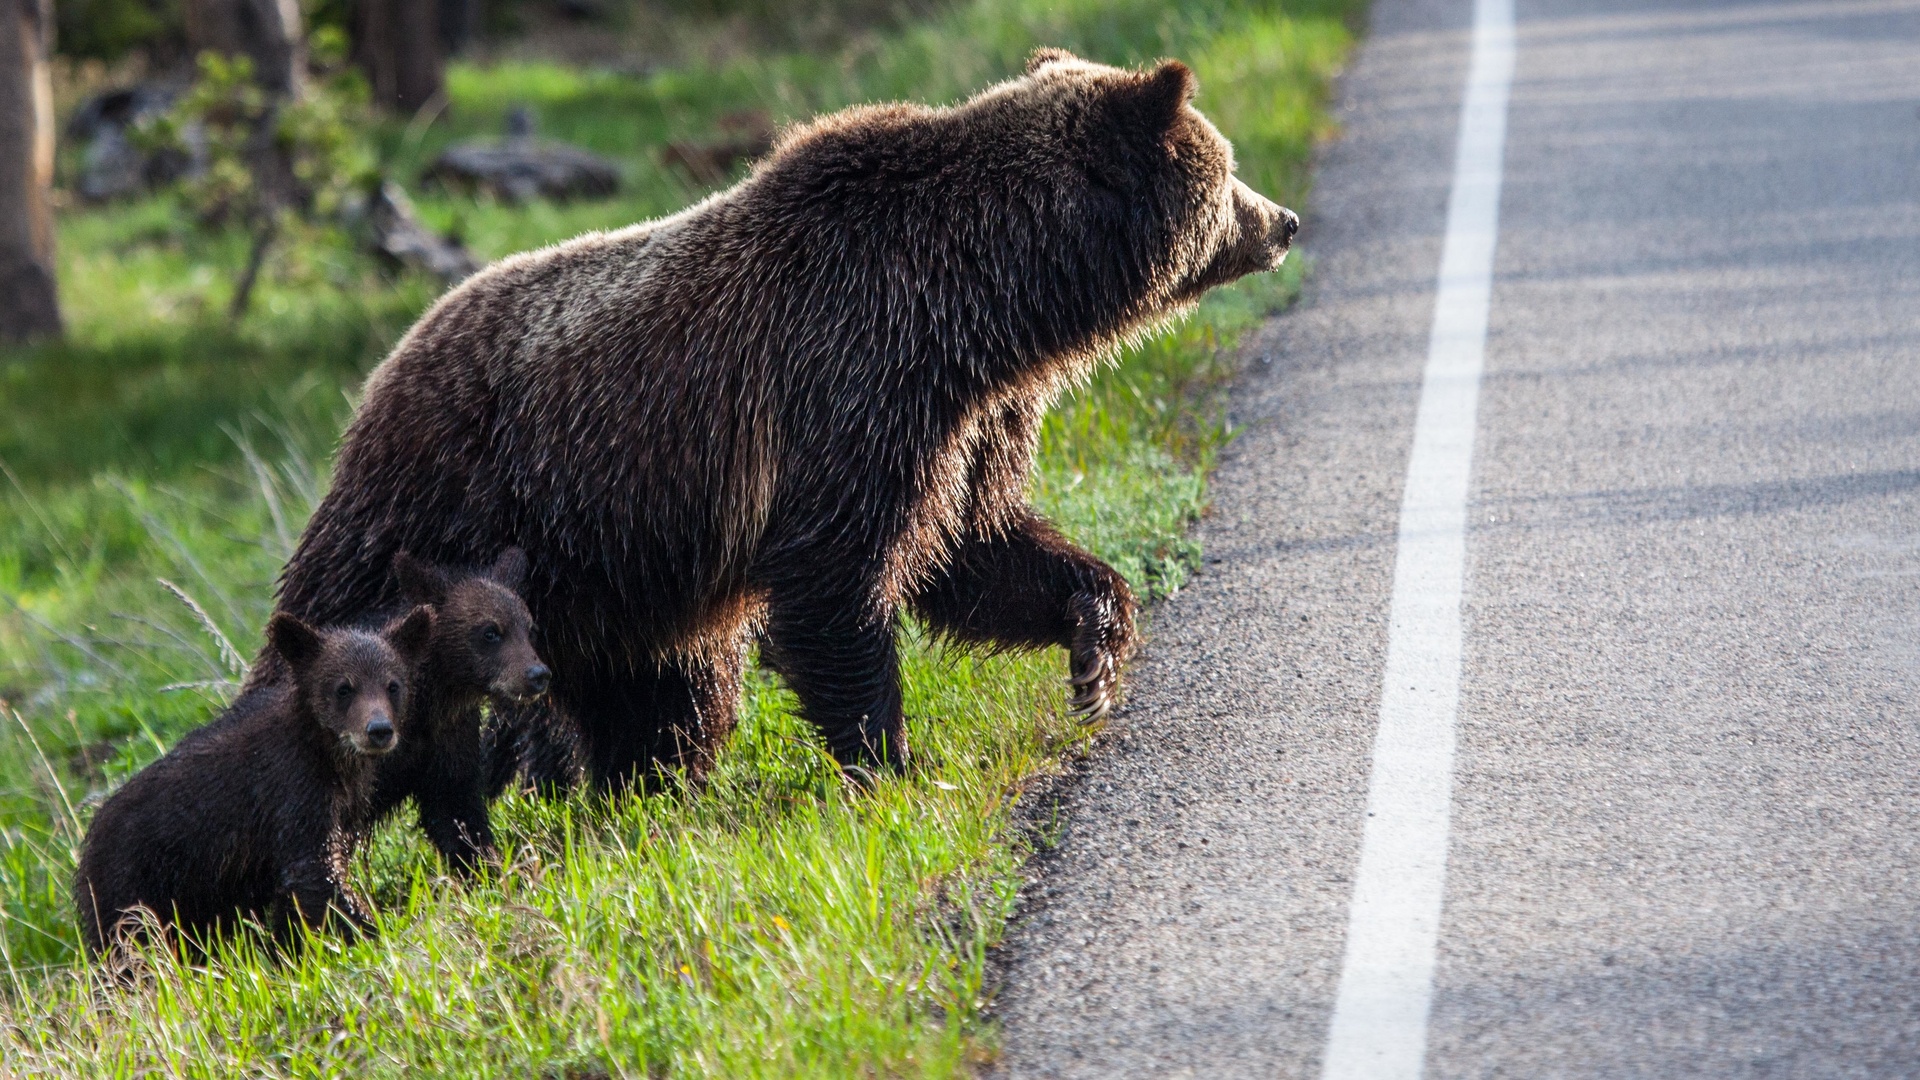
(236, 664)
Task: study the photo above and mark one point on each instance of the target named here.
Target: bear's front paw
(1102, 642)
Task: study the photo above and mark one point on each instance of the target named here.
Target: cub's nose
(380, 733)
(537, 679)
(1286, 226)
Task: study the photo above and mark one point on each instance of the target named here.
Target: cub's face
(360, 693)
(355, 683)
(486, 641)
(483, 636)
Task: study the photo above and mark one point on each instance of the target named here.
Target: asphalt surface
(1686, 812)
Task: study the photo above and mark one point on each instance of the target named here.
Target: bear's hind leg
(635, 726)
(842, 661)
(1030, 587)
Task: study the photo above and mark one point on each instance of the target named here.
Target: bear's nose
(537, 678)
(1287, 226)
(379, 733)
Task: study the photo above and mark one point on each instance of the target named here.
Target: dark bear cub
(481, 650)
(255, 813)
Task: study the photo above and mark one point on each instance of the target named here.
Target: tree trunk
(265, 31)
(29, 306)
(397, 43)
(459, 25)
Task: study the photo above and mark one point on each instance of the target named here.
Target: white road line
(1379, 1029)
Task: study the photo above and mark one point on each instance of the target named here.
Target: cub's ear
(510, 569)
(420, 583)
(1047, 55)
(295, 641)
(1153, 103)
(410, 634)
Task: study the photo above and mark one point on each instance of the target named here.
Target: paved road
(1685, 822)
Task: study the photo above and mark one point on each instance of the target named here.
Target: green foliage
(109, 29)
(214, 125)
(324, 134)
(150, 372)
(254, 160)
(770, 924)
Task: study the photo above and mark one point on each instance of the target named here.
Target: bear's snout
(379, 733)
(1287, 226)
(530, 682)
(1262, 232)
(1266, 228)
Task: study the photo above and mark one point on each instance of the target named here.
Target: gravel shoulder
(1191, 918)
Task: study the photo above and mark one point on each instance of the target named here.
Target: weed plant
(773, 923)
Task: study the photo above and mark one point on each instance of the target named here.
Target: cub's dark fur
(800, 407)
(480, 650)
(255, 813)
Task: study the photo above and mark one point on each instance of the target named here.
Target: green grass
(771, 924)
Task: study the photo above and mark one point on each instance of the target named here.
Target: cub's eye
(491, 635)
(393, 689)
(343, 691)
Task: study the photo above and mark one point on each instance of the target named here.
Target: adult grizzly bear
(798, 405)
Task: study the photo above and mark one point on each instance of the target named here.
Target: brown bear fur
(256, 813)
(481, 650)
(802, 405)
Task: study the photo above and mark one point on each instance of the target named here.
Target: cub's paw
(1103, 642)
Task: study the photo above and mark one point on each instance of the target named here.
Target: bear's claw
(1103, 638)
(1078, 681)
(1094, 687)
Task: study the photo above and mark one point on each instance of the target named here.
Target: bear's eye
(343, 691)
(393, 689)
(491, 635)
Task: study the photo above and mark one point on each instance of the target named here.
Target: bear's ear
(510, 569)
(420, 583)
(1152, 104)
(409, 635)
(295, 641)
(1047, 55)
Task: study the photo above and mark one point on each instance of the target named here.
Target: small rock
(120, 109)
(112, 166)
(521, 167)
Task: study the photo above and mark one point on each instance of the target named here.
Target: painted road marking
(1379, 1029)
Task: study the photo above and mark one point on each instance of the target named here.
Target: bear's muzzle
(1267, 229)
(1262, 232)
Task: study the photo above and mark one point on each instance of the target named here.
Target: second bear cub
(481, 650)
(256, 813)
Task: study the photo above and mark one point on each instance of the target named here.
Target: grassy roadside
(771, 924)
